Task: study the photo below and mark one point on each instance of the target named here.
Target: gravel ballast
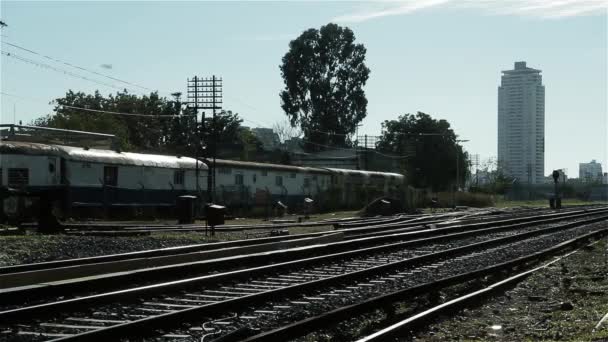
(562, 302)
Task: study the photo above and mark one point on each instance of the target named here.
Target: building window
(18, 177)
(110, 175)
(238, 179)
(279, 180)
(178, 177)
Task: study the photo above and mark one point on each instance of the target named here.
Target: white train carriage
(357, 187)
(249, 184)
(98, 178)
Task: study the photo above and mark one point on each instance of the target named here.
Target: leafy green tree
(431, 149)
(73, 118)
(171, 128)
(231, 139)
(324, 75)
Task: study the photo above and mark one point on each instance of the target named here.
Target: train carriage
(357, 187)
(86, 180)
(95, 178)
(249, 184)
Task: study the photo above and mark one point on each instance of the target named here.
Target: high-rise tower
(521, 124)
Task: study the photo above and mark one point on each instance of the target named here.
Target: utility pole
(457, 173)
(206, 93)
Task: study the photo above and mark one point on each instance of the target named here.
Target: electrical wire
(111, 112)
(75, 66)
(50, 67)
(40, 64)
(356, 150)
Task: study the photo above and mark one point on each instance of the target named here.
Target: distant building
(590, 172)
(270, 140)
(605, 178)
(521, 124)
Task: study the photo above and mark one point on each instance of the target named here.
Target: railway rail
(407, 239)
(403, 327)
(107, 316)
(351, 233)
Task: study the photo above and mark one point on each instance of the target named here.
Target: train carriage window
(225, 170)
(51, 168)
(178, 177)
(292, 175)
(255, 178)
(279, 180)
(306, 182)
(110, 175)
(18, 177)
(1, 179)
(238, 179)
(264, 173)
(314, 177)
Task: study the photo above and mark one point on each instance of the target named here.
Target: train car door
(52, 171)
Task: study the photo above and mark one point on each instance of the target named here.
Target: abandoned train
(85, 180)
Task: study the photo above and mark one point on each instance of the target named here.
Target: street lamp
(457, 173)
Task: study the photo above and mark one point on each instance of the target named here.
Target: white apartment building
(521, 124)
(590, 172)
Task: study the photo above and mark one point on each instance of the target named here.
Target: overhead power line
(125, 114)
(50, 67)
(356, 150)
(110, 112)
(76, 66)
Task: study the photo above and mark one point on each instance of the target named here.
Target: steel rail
(146, 326)
(307, 256)
(150, 253)
(476, 296)
(360, 232)
(109, 281)
(312, 324)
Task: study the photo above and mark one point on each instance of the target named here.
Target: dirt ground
(563, 302)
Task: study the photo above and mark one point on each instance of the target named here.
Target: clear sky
(443, 57)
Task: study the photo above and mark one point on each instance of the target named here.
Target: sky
(441, 57)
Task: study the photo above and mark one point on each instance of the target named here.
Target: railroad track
(379, 228)
(421, 298)
(108, 316)
(123, 277)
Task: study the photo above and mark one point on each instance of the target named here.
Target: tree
(171, 127)
(133, 132)
(324, 74)
(232, 140)
(286, 132)
(431, 149)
